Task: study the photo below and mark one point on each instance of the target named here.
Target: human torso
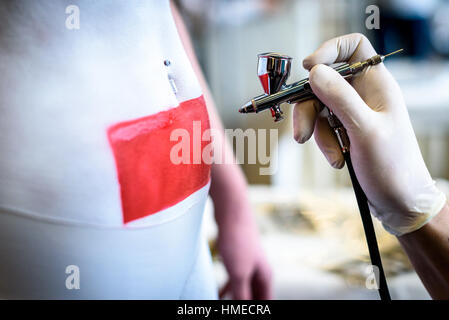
(67, 108)
(85, 171)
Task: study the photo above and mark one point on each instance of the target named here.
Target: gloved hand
(384, 150)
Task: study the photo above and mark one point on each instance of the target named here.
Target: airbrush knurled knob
(376, 59)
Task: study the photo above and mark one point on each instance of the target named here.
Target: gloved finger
(241, 289)
(328, 143)
(348, 48)
(339, 96)
(262, 284)
(304, 116)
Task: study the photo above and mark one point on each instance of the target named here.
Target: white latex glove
(384, 150)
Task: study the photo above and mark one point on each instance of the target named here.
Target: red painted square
(149, 180)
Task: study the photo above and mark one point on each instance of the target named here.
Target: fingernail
(338, 163)
(306, 63)
(298, 138)
(302, 138)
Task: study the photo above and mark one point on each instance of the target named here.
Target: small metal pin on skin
(167, 63)
(274, 69)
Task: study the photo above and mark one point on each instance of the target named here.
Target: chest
(110, 69)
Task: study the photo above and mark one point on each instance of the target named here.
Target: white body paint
(60, 90)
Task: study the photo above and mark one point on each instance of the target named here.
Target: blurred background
(306, 211)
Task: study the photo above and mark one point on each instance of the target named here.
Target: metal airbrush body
(273, 70)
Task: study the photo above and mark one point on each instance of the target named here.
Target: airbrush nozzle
(392, 53)
(247, 108)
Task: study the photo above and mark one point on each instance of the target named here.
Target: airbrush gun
(273, 70)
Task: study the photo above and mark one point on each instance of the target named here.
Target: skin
(238, 239)
(428, 250)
